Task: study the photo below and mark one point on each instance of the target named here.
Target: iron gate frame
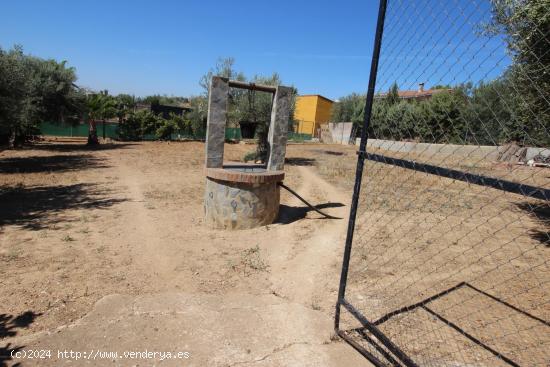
(384, 345)
(361, 156)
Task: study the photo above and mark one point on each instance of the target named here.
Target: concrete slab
(206, 330)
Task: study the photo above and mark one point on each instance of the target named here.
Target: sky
(320, 47)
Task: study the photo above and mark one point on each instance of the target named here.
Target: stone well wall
(241, 200)
(241, 196)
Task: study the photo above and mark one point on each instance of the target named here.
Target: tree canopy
(511, 108)
(487, 114)
(33, 90)
(526, 28)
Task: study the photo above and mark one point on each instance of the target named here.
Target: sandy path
(167, 282)
(306, 257)
(140, 229)
(303, 256)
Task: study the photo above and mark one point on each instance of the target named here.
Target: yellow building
(311, 111)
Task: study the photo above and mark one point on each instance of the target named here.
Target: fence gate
(446, 260)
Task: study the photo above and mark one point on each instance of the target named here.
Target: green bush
(166, 129)
(488, 113)
(138, 124)
(250, 156)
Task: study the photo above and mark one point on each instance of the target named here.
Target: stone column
(278, 129)
(217, 117)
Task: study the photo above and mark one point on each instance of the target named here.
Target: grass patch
(13, 254)
(250, 261)
(250, 156)
(315, 304)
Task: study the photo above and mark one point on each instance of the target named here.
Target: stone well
(241, 196)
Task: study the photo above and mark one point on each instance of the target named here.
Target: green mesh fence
(48, 128)
(297, 137)
(233, 133)
(110, 130)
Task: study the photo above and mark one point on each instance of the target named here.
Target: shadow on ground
(363, 337)
(36, 207)
(9, 325)
(299, 161)
(55, 163)
(540, 212)
(289, 214)
(329, 152)
(77, 146)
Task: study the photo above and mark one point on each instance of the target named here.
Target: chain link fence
(447, 257)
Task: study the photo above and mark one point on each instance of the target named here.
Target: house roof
(182, 106)
(316, 95)
(408, 94)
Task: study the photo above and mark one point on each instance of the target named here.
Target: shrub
(250, 156)
(138, 124)
(166, 129)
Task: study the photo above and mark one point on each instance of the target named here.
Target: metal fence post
(360, 160)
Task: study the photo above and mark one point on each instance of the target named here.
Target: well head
(241, 196)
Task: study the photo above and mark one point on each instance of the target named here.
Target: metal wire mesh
(450, 258)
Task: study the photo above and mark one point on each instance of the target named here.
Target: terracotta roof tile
(406, 94)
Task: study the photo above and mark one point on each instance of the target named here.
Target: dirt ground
(485, 250)
(78, 226)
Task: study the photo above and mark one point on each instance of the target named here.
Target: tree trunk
(12, 141)
(262, 131)
(16, 139)
(92, 134)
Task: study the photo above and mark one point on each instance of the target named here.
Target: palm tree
(100, 106)
(125, 104)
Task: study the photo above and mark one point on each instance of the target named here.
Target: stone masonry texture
(225, 174)
(237, 200)
(238, 205)
(217, 115)
(278, 129)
